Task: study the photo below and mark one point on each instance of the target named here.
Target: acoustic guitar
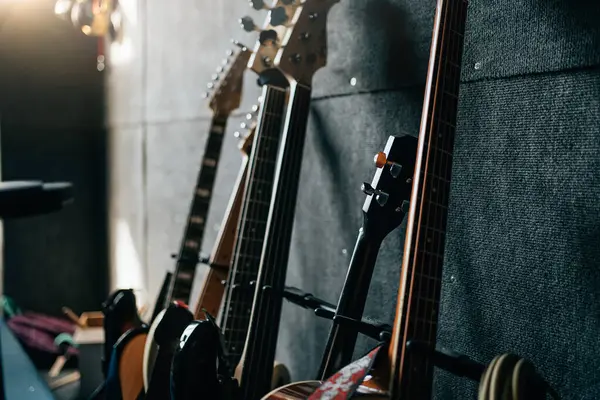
(399, 373)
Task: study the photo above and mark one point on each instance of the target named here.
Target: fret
(197, 220)
(184, 276)
(210, 162)
(202, 193)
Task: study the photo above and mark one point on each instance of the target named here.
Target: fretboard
(252, 227)
(183, 276)
(421, 278)
(261, 343)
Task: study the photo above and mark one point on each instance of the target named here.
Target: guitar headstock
(388, 194)
(304, 48)
(276, 24)
(228, 82)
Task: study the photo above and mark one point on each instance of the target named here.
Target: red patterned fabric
(343, 384)
(38, 331)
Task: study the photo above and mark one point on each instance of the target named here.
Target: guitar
(301, 54)
(398, 373)
(193, 367)
(225, 99)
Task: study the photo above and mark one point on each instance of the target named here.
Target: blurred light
(62, 8)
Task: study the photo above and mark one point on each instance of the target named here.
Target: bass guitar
(399, 373)
(301, 54)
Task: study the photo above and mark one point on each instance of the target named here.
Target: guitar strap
(343, 384)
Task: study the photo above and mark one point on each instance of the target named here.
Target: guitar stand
(455, 363)
(373, 329)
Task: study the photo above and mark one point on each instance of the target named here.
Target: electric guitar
(193, 367)
(301, 54)
(399, 373)
(225, 99)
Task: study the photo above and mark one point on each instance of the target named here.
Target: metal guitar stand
(368, 327)
(455, 363)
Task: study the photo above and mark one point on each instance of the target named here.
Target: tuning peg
(238, 44)
(237, 134)
(205, 95)
(380, 196)
(248, 24)
(268, 38)
(215, 77)
(220, 69)
(210, 85)
(278, 16)
(405, 206)
(249, 116)
(255, 108)
(381, 161)
(243, 125)
(257, 4)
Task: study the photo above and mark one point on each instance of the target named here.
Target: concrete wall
(159, 122)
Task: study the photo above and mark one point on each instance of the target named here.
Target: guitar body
(199, 368)
(120, 316)
(131, 367)
(302, 390)
(150, 350)
(165, 339)
(281, 375)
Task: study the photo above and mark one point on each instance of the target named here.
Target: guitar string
(419, 268)
(256, 214)
(241, 247)
(280, 106)
(274, 263)
(258, 300)
(432, 269)
(250, 212)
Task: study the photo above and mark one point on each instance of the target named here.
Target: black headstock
(389, 192)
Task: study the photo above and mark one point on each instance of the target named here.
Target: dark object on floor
(28, 198)
(22, 199)
(21, 379)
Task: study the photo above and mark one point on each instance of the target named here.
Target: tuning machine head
(381, 161)
(380, 196)
(247, 24)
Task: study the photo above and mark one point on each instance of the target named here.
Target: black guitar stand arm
(373, 329)
(448, 360)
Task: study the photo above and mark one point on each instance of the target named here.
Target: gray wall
(158, 122)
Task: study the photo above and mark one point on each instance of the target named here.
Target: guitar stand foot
(455, 363)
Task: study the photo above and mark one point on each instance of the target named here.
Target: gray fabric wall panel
(523, 245)
(329, 215)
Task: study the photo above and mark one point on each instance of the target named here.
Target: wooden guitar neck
(421, 276)
(213, 286)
